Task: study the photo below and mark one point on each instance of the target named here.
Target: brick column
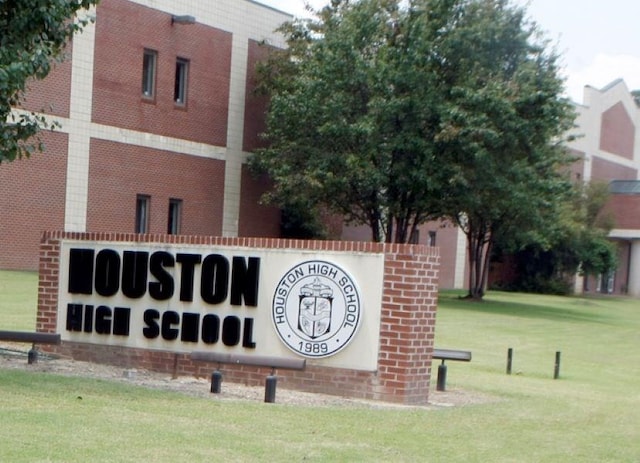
(408, 322)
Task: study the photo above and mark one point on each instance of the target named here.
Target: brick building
(609, 151)
(158, 116)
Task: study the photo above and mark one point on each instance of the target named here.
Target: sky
(598, 40)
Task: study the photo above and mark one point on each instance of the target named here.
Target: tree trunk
(479, 244)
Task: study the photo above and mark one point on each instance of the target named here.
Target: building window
(415, 237)
(142, 213)
(175, 212)
(180, 88)
(149, 63)
(432, 238)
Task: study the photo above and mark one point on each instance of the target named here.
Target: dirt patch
(13, 358)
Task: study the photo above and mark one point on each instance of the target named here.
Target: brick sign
(362, 314)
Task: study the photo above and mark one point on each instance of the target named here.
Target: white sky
(599, 40)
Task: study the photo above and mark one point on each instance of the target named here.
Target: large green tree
(352, 120)
(33, 35)
(392, 113)
(503, 121)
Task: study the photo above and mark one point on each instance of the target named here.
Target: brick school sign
(362, 314)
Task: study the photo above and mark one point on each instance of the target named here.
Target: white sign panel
(323, 306)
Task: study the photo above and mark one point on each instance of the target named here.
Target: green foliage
(504, 117)
(392, 115)
(33, 34)
(574, 243)
(351, 123)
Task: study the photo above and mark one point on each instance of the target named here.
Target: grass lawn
(590, 414)
(18, 300)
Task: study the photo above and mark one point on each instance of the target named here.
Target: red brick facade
(617, 132)
(33, 198)
(123, 31)
(52, 95)
(256, 104)
(255, 219)
(407, 328)
(116, 144)
(119, 172)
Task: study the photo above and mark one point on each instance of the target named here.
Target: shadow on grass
(545, 307)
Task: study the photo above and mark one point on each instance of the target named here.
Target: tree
(576, 243)
(502, 123)
(394, 115)
(351, 121)
(33, 34)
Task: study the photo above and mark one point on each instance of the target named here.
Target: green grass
(18, 300)
(590, 414)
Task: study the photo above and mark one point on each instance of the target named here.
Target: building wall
(617, 132)
(256, 104)
(625, 210)
(114, 144)
(257, 219)
(32, 198)
(119, 172)
(51, 95)
(605, 170)
(123, 31)
(608, 122)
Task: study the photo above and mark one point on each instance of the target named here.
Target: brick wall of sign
(407, 328)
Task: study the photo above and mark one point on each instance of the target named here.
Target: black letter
(244, 281)
(74, 317)
(215, 279)
(80, 271)
(88, 318)
(170, 318)
(190, 324)
(121, 316)
(134, 273)
(152, 330)
(163, 288)
(103, 320)
(107, 272)
(210, 328)
(247, 336)
(188, 262)
(231, 331)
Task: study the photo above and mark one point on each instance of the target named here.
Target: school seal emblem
(316, 309)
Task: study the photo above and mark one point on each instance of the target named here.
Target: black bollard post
(556, 369)
(270, 388)
(509, 360)
(442, 377)
(32, 356)
(216, 382)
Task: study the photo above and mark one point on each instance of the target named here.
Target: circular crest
(316, 309)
